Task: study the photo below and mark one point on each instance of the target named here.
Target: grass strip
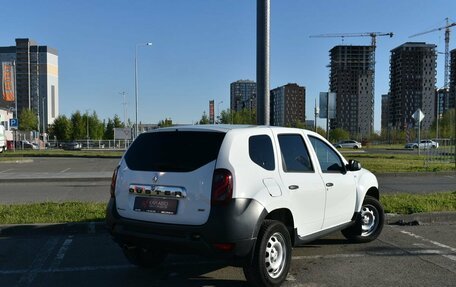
(51, 212)
(406, 203)
(386, 163)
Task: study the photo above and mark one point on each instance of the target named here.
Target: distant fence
(445, 153)
(92, 144)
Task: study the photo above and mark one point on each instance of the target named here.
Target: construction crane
(373, 36)
(447, 48)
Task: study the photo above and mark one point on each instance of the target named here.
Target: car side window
(261, 151)
(295, 157)
(329, 161)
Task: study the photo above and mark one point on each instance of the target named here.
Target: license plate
(155, 205)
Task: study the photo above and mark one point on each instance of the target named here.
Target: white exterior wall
(52, 104)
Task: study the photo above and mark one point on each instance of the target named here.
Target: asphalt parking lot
(402, 256)
(84, 254)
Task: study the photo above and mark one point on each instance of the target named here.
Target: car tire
(142, 257)
(355, 147)
(370, 223)
(271, 256)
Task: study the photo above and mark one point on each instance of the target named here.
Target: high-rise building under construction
(412, 84)
(452, 97)
(352, 79)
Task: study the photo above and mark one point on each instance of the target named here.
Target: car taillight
(222, 187)
(113, 182)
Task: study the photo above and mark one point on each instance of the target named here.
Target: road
(88, 179)
(401, 256)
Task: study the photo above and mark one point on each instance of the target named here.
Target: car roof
(227, 128)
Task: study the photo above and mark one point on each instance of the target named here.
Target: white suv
(248, 193)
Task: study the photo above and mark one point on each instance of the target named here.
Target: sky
(200, 46)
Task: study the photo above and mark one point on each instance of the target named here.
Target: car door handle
(329, 184)
(293, 187)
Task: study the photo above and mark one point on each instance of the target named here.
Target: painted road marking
(38, 262)
(65, 170)
(61, 253)
(452, 249)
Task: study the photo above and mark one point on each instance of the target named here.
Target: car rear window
(175, 151)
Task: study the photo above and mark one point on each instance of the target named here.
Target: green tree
(245, 117)
(165, 123)
(94, 125)
(446, 125)
(204, 119)
(110, 126)
(117, 122)
(109, 130)
(28, 120)
(79, 126)
(321, 131)
(338, 134)
(61, 128)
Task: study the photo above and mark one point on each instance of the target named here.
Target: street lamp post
(136, 84)
(218, 110)
(87, 117)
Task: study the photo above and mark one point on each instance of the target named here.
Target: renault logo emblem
(155, 179)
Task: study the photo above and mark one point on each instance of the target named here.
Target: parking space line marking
(449, 256)
(68, 269)
(5, 171)
(65, 170)
(332, 256)
(428, 240)
(38, 262)
(91, 227)
(61, 253)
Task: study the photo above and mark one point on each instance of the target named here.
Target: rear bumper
(237, 223)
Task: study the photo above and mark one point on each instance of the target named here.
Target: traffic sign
(14, 123)
(418, 115)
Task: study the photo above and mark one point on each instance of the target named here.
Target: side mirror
(353, 165)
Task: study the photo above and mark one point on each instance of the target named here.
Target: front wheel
(370, 223)
(272, 256)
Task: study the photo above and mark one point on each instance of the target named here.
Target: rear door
(305, 186)
(166, 177)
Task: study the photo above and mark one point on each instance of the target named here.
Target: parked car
(25, 144)
(424, 144)
(71, 146)
(348, 144)
(238, 192)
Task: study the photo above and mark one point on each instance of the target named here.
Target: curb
(99, 227)
(424, 218)
(52, 229)
(424, 173)
(54, 179)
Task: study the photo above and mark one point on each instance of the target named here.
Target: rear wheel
(272, 256)
(143, 257)
(370, 224)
